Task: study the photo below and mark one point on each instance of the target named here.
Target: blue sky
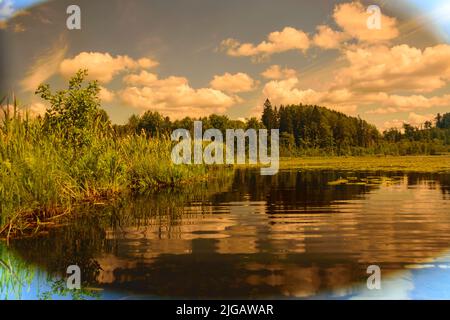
(438, 10)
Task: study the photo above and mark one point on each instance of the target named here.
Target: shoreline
(49, 217)
(418, 164)
(28, 222)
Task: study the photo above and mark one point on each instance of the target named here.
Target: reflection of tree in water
(58, 289)
(74, 245)
(15, 275)
(257, 238)
(434, 181)
(80, 242)
(444, 181)
(293, 189)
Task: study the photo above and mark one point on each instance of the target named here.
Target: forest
(311, 130)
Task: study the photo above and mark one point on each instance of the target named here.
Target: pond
(299, 234)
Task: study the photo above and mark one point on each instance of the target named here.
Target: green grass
(41, 177)
(426, 164)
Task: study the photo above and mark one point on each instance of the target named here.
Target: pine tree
(269, 116)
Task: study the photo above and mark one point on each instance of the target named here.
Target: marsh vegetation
(72, 155)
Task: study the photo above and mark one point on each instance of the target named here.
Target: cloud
(147, 63)
(418, 119)
(37, 109)
(151, 80)
(414, 119)
(405, 103)
(6, 9)
(287, 92)
(380, 111)
(279, 41)
(398, 103)
(233, 83)
(370, 70)
(352, 19)
(102, 66)
(44, 66)
(173, 96)
(275, 72)
(144, 78)
(328, 38)
(393, 124)
(106, 95)
(33, 109)
(394, 78)
(401, 67)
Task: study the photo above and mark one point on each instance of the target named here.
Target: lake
(299, 234)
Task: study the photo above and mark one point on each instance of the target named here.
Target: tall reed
(41, 176)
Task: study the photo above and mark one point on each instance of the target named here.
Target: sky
(197, 57)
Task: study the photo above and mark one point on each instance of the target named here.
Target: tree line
(312, 130)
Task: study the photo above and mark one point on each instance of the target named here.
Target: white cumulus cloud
(173, 96)
(233, 83)
(103, 66)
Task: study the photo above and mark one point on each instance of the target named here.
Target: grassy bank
(42, 177)
(428, 164)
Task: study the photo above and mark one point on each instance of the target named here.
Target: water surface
(289, 236)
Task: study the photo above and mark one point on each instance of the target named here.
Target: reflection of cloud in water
(398, 287)
(392, 225)
(419, 281)
(287, 236)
